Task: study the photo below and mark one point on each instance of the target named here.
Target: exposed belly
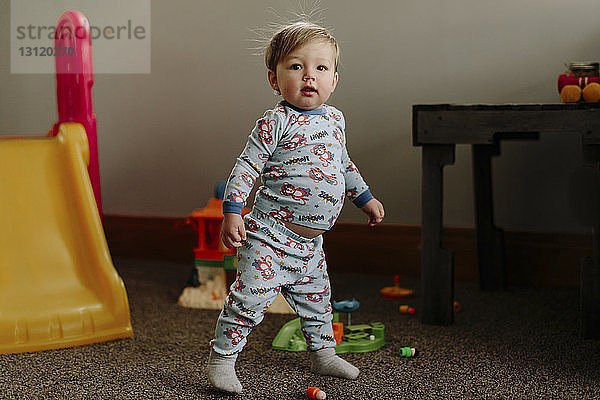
(303, 230)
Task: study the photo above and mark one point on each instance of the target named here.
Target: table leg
(589, 290)
(437, 263)
(490, 239)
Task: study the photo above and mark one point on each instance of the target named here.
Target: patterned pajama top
(303, 163)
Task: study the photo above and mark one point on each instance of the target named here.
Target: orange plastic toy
(211, 252)
(396, 292)
(207, 223)
(316, 393)
(338, 332)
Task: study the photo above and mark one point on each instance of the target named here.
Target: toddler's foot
(326, 362)
(221, 372)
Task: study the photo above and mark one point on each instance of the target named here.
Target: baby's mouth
(308, 90)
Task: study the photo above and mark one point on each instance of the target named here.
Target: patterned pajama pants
(272, 260)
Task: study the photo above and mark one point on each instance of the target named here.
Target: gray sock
(326, 362)
(221, 372)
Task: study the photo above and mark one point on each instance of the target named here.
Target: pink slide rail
(74, 81)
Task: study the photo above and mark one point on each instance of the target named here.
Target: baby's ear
(272, 77)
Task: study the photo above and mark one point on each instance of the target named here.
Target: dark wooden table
(438, 129)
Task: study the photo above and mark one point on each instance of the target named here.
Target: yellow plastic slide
(58, 286)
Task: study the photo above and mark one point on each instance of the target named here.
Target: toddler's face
(306, 77)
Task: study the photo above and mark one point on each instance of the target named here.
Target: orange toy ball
(591, 92)
(570, 94)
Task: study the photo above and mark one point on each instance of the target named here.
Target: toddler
(299, 151)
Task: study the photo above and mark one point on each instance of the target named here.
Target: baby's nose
(308, 77)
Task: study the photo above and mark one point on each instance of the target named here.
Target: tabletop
(485, 123)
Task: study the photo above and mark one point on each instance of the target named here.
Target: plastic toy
(208, 279)
(59, 287)
(407, 352)
(346, 306)
(456, 306)
(581, 80)
(316, 393)
(214, 264)
(405, 309)
(356, 338)
(230, 267)
(338, 332)
(74, 81)
(396, 292)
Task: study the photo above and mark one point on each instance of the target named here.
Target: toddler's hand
(374, 209)
(232, 230)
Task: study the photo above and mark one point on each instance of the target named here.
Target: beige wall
(165, 138)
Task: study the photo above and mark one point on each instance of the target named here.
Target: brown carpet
(523, 343)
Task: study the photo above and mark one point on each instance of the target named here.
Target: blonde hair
(290, 37)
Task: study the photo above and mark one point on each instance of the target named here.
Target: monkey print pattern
(301, 120)
(337, 134)
(237, 196)
(335, 116)
(351, 167)
(263, 265)
(275, 173)
(294, 244)
(305, 280)
(317, 175)
(297, 140)
(265, 127)
(317, 297)
(247, 179)
(300, 194)
(278, 252)
(239, 284)
(252, 226)
(283, 214)
(234, 334)
(325, 156)
(245, 322)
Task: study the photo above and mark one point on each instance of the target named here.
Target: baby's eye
(295, 67)
(322, 68)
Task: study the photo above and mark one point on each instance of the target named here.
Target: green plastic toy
(357, 338)
(407, 352)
